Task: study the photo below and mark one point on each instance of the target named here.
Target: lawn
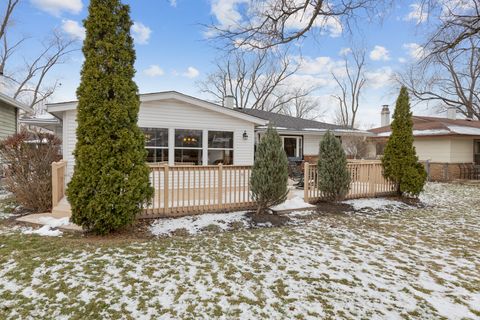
(380, 263)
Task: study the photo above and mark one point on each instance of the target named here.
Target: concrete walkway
(40, 218)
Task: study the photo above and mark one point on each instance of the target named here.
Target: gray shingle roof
(289, 122)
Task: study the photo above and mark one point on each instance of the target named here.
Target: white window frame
(202, 147)
(299, 145)
(155, 148)
(220, 149)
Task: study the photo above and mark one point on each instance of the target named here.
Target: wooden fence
(182, 190)
(58, 181)
(367, 180)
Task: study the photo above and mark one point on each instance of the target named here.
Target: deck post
(166, 188)
(220, 185)
(55, 193)
(306, 181)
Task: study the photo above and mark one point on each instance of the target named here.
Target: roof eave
(15, 103)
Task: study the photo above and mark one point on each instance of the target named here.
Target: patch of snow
(54, 222)
(465, 130)
(297, 202)
(373, 203)
(193, 224)
(46, 231)
(304, 213)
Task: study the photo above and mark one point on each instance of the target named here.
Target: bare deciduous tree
(255, 78)
(28, 82)
(350, 85)
(303, 105)
(457, 21)
(356, 147)
(268, 23)
(450, 78)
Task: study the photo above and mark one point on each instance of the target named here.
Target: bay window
(220, 147)
(188, 146)
(156, 143)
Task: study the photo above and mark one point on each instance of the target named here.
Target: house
(449, 147)
(301, 137)
(9, 114)
(182, 129)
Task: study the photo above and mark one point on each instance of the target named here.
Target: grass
(421, 263)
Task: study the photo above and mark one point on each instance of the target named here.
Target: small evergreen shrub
(110, 183)
(333, 175)
(400, 161)
(270, 172)
(27, 158)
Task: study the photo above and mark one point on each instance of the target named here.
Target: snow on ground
(193, 224)
(295, 202)
(415, 264)
(375, 204)
(49, 227)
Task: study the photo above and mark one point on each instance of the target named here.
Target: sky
(174, 52)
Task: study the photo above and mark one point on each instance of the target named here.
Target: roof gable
(166, 96)
(14, 103)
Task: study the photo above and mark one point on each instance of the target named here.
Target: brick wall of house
(310, 159)
(439, 171)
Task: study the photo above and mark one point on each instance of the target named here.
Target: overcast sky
(173, 51)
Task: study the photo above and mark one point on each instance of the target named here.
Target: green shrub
(333, 175)
(400, 161)
(110, 181)
(270, 172)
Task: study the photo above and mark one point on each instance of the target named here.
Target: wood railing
(367, 180)
(191, 189)
(58, 181)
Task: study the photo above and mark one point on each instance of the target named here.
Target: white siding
(174, 115)
(461, 150)
(311, 144)
(433, 149)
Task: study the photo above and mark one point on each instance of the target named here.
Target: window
(476, 152)
(156, 143)
(293, 146)
(220, 147)
(188, 146)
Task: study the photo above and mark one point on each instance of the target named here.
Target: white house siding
(175, 115)
(433, 149)
(8, 120)
(461, 150)
(311, 145)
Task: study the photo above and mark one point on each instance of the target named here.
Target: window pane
(220, 156)
(188, 156)
(220, 139)
(156, 137)
(157, 155)
(290, 146)
(185, 138)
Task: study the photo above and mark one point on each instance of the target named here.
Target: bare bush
(28, 175)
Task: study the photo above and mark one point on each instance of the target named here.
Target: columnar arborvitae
(333, 175)
(110, 182)
(400, 161)
(270, 172)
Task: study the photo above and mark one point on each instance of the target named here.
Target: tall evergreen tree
(270, 172)
(400, 161)
(333, 175)
(110, 182)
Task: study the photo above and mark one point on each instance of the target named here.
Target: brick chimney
(385, 116)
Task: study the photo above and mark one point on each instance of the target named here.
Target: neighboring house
(9, 114)
(43, 122)
(450, 146)
(181, 129)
